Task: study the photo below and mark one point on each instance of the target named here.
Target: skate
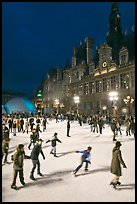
(51, 153)
(114, 184)
(40, 174)
(32, 178)
(23, 183)
(74, 173)
(86, 170)
(14, 187)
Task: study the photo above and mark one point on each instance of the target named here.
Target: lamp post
(76, 100)
(113, 96)
(104, 110)
(128, 100)
(42, 110)
(57, 103)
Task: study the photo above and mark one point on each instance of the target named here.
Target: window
(77, 75)
(113, 83)
(104, 84)
(97, 86)
(122, 81)
(91, 87)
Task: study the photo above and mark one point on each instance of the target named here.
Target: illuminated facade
(92, 77)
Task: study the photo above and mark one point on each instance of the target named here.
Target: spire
(115, 37)
(114, 6)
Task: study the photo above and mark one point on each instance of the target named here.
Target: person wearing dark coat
(38, 129)
(116, 162)
(5, 149)
(5, 132)
(132, 127)
(113, 128)
(31, 123)
(68, 128)
(101, 125)
(44, 123)
(33, 138)
(21, 125)
(10, 121)
(18, 160)
(53, 144)
(37, 149)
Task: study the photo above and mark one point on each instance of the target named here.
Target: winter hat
(89, 148)
(20, 146)
(55, 134)
(118, 144)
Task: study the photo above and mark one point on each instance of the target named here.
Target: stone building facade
(93, 77)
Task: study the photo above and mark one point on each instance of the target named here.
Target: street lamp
(57, 103)
(128, 100)
(76, 100)
(42, 110)
(104, 109)
(113, 96)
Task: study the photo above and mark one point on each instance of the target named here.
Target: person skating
(5, 132)
(14, 126)
(44, 123)
(38, 129)
(53, 144)
(10, 121)
(113, 128)
(37, 149)
(68, 128)
(18, 160)
(116, 162)
(33, 138)
(5, 149)
(26, 126)
(86, 156)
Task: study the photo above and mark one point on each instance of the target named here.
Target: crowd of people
(33, 125)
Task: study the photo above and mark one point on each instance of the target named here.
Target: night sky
(37, 36)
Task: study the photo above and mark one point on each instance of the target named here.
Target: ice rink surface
(57, 183)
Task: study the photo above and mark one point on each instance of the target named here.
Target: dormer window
(123, 56)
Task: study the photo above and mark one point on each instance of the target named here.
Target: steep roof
(129, 42)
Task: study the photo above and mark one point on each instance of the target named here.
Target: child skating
(86, 156)
(53, 144)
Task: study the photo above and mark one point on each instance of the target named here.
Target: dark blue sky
(37, 36)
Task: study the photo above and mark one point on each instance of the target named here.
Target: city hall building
(104, 82)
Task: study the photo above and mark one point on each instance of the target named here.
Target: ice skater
(18, 162)
(34, 137)
(116, 164)
(5, 149)
(53, 144)
(86, 156)
(68, 128)
(37, 149)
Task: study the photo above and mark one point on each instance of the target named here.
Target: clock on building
(104, 64)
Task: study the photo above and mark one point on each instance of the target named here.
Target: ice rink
(57, 183)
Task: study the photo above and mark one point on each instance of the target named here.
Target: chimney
(74, 58)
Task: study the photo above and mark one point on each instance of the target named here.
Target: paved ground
(58, 184)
